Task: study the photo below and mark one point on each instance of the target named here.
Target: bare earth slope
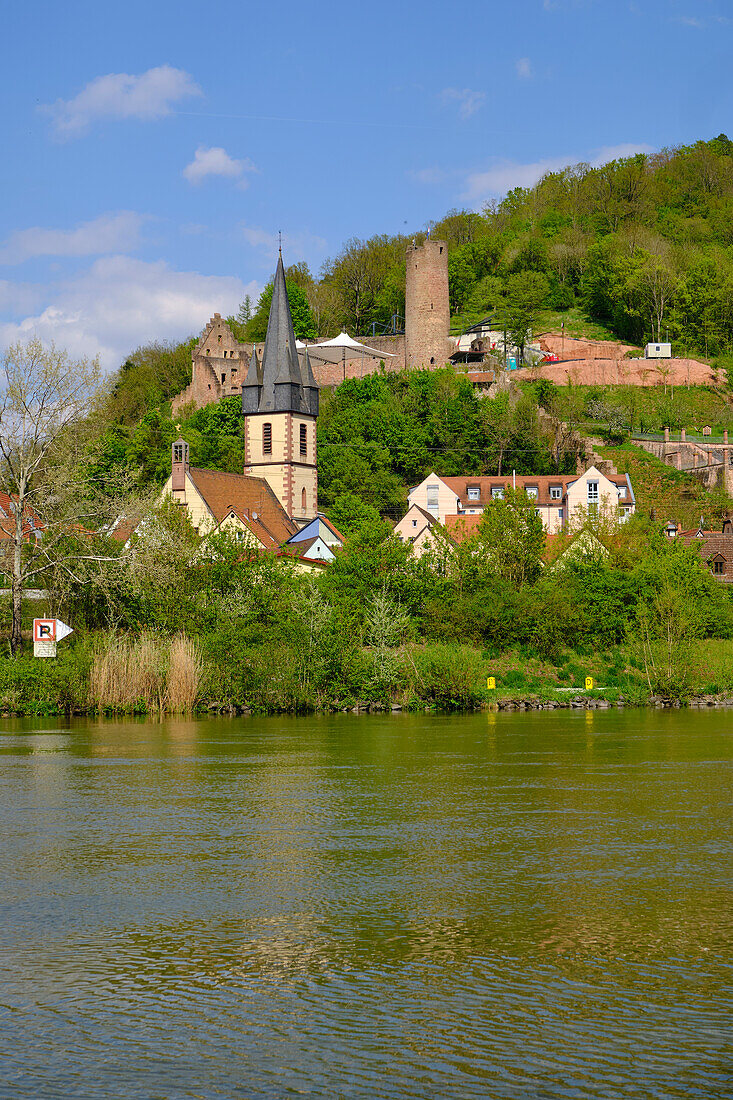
(603, 363)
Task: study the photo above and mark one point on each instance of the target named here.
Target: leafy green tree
(303, 322)
(510, 540)
(525, 295)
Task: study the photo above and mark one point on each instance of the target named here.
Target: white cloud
(120, 302)
(296, 246)
(524, 68)
(468, 100)
(120, 95)
(215, 161)
(507, 174)
(430, 176)
(690, 21)
(118, 232)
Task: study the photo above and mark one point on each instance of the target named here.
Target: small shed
(658, 351)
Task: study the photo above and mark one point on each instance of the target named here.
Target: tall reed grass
(148, 672)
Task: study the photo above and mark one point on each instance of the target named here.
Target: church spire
(280, 366)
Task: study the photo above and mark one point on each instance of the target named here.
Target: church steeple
(280, 405)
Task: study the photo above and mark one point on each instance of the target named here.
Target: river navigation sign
(46, 633)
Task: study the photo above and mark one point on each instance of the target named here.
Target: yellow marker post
(491, 683)
(589, 683)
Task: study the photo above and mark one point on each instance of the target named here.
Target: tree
(303, 322)
(511, 539)
(45, 427)
(525, 294)
(244, 313)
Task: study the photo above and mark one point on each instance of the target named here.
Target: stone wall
(711, 464)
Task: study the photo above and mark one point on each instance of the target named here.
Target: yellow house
(241, 503)
(560, 500)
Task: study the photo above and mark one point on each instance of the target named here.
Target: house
(321, 527)
(559, 499)
(32, 523)
(715, 547)
(416, 527)
(240, 503)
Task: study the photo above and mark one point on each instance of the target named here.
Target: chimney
(179, 469)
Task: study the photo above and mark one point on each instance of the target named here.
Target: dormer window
(497, 492)
(531, 492)
(555, 492)
(622, 492)
(473, 492)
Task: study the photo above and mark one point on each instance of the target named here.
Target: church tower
(280, 405)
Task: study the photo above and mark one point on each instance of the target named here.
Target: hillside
(637, 249)
(614, 254)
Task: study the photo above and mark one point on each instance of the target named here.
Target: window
(414, 523)
(178, 451)
(593, 492)
(433, 498)
(441, 250)
(303, 500)
(219, 338)
(718, 568)
(267, 439)
(531, 492)
(497, 493)
(622, 492)
(560, 513)
(473, 492)
(223, 379)
(303, 439)
(555, 492)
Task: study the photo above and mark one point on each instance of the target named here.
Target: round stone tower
(427, 313)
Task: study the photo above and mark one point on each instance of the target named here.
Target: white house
(558, 498)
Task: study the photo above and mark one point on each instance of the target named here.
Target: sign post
(589, 683)
(46, 633)
(491, 683)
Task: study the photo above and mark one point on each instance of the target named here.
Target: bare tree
(46, 399)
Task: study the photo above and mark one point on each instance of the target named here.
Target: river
(498, 905)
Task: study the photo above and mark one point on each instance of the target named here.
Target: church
(274, 502)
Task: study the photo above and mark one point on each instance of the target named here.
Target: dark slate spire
(280, 366)
(252, 388)
(310, 386)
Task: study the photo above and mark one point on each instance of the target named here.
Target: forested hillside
(642, 246)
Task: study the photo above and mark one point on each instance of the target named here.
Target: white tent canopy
(333, 351)
(341, 348)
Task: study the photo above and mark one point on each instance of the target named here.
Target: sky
(155, 149)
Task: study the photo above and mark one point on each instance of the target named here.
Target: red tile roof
(250, 497)
(31, 519)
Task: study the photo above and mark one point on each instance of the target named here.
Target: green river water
(498, 905)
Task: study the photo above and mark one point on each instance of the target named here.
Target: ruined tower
(427, 313)
(280, 405)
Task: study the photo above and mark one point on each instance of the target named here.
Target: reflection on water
(486, 906)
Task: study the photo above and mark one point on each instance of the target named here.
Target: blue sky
(155, 149)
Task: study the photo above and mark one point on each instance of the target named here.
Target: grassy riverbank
(164, 676)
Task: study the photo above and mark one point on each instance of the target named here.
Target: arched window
(303, 500)
(303, 439)
(267, 439)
